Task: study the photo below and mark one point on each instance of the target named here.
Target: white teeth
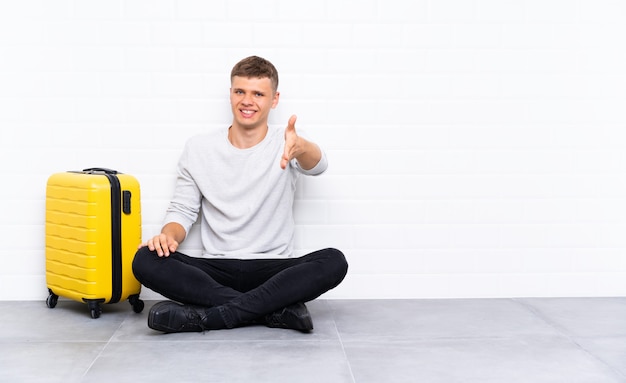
(247, 111)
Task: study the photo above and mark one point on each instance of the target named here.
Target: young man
(240, 181)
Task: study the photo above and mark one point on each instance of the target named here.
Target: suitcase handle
(105, 170)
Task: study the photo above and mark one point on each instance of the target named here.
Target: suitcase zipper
(116, 237)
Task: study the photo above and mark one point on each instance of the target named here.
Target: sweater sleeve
(185, 204)
(318, 169)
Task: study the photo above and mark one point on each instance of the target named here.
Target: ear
(275, 100)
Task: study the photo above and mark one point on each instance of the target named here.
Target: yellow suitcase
(93, 228)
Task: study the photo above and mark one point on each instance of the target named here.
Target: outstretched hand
(293, 147)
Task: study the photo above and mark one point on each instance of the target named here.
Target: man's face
(251, 100)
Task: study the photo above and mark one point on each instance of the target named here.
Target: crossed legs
(232, 292)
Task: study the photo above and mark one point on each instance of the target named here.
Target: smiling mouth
(247, 112)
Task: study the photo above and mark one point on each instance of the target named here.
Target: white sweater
(245, 198)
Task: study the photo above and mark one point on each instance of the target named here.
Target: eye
(258, 94)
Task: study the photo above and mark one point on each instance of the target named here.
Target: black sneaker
(295, 317)
(169, 316)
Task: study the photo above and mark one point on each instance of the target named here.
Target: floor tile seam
(52, 341)
(450, 338)
(341, 344)
(577, 340)
(105, 347)
(94, 360)
(598, 359)
(572, 338)
(541, 316)
(245, 341)
(600, 337)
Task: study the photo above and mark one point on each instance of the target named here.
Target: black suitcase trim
(116, 238)
(116, 230)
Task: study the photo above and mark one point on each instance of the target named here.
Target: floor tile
(62, 362)
(610, 350)
(536, 360)
(564, 340)
(68, 321)
(583, 316)
(428, 319)
(222, 361)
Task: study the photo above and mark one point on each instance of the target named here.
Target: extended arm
(307, 153)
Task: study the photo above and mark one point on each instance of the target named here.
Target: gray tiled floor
(563, 340)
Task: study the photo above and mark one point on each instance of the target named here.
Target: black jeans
(240, 290)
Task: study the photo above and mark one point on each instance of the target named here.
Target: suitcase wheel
(94, 309)
(136, 303)
(52, 299)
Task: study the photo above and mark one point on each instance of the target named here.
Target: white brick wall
(476, 147)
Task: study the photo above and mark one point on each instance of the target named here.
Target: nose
(247, 99)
